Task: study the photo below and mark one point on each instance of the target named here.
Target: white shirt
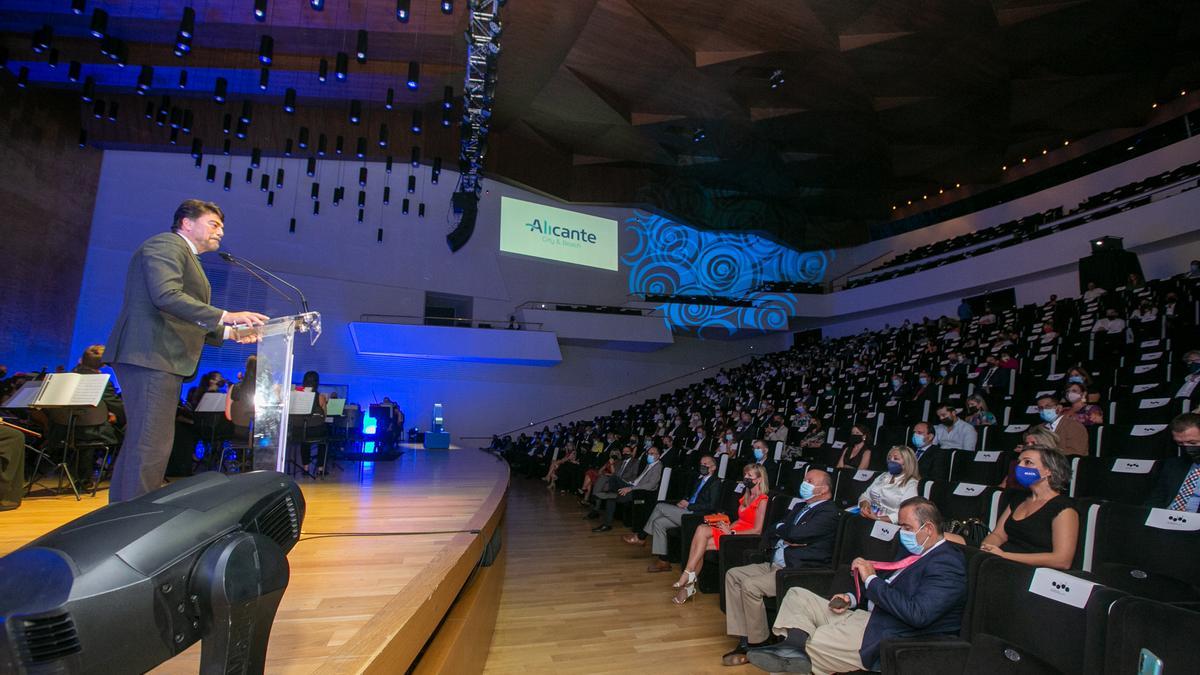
(1110, 326)
(890, 579)
(192, 246)
(1094, 293)
(885, 494)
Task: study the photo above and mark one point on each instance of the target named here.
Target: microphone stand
(250, 267)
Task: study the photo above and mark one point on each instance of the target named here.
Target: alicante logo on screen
(561, 235)
(557, 234)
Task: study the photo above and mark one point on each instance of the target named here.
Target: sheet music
(72, 389)
(211, 402)
(302, 402)
(334, 407)
(25, 396)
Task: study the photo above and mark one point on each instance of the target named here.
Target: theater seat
(1118, 479)
(1137, 624)
(1152, 553)
(1020, 619)
(1135, 441)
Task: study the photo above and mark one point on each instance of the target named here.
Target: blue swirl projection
(668, 258)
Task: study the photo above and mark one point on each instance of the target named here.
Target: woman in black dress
(1043, 529)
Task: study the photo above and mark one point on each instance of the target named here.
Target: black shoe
(602, 528)
(780, 658)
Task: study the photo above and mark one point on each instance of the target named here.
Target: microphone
(250, 267)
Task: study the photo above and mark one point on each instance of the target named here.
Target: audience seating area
(1102, 205)
(1134, 579)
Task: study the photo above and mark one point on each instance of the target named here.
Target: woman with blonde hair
(752, 511)
(882, 499)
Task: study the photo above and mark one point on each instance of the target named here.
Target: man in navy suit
(803, 538)
(843, 634)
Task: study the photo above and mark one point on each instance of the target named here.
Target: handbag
(972, 530)
(715, 519)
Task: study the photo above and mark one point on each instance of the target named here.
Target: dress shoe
(633, 539)
(780, 658)
(602, 528)
(659, 566)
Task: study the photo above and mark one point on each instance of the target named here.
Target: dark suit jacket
(165, 317)
(1072, 436)
(926, 599)
(1170, 477)
(813, 534)
(709, 499)
(933, 464)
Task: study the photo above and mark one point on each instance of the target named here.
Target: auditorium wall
(346, 273)
(47, 185)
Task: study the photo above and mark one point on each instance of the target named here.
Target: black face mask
(855, 439)
(704, 470)
(949, 421)
(1192, 451)
(748, 482)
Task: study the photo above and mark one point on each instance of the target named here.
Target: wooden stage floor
(349, 595)
(577, 602)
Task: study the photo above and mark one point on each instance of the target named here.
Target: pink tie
(884, 567)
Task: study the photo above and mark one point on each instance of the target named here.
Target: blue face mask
(759, 454)
(923, 380)
(909, 541)
(918, 440)
(650, 459)
(1048, 415)
(806, 490)
(895, 468)
(1077, 379)
(1027, 476)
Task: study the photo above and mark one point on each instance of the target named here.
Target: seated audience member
(929, 464)
(803, 538)
(857, 453)
(667, 454)
(12, 468)
(210, 383)
(752, 511)
(1194, 270)
(1093, 291)
(568, 455)
(925, 598)
(1072, 436)
(776, 430)
(106, 433)
(924, 388)
(1079, 375)
(1007, 361)
(728, 445)
(622, 466)
(1178, 484)
(900, 388)
(1134, 281)
(1035, 436)
(988, 318)
(1049, 333)
(953, 433)
(239, 400)
(704, 497)
(994, 378)
(1087, 414)
(1043, 529)
(1111, 325)
(619, 492)
(815, 437)
(1144, 322)
(978, 413)
(881, 500)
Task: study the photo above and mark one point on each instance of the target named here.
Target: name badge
(1017, 428)
(863, 475)
(1060, 587)
(1153, 403)
(969, 489)
(988, 456)
(1147, 429)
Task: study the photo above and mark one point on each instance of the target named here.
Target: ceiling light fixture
(266, 49)
(187, 25)
(403, 10)
(99, 24)
(343, 61)
(260, 10)
(360, 50)
(414, 75)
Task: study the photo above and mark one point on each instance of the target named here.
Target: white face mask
(1074, 396)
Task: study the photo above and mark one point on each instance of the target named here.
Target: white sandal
(691, 580)
(691, 590)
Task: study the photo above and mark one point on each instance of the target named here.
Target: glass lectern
(273, 384)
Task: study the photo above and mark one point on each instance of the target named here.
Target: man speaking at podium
(165, 321)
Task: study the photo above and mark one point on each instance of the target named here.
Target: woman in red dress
(752, 510)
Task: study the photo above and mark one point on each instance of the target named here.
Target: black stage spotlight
(360, 46)
(260, 10)
(448, 97)
(412, 184)
(383, 135)
(318, 5)
(362, 198)
(421, 210)
(99, 25)
(387, 195)
(83, 138)
(446, 118)
(52, 58)
(361, 215)
(315, 193)
(287, 148)
(112, 111)
(292, 225)
(210, 174)
(73, 71)
(379, 234)
(264, 182)
(264, 78)
(416, 122)
(226, 147)
(240, 131)
(289, 100)
(89, 89)
(416, 156)
(145, 79)
(339, 144)
(221, 90)
(342, 66)
(183, 78)
(266, 49)
(387, 164)
(414, 75)
(247, 109)
(310, 167)
(227, 185)
(226, 123)
(316, 208)
(255, 157)
(97, 108)
(23, 77)
(187, 25)
(249, 175)
(271, 198)
(188, 118)
(362, 176)
(322, 144)
(150, 111)
(42, 38)
(361, 148)
(403, 10)
(279, 178)
(390, 101)
(355, 111)
(78, 6)
(302, 141)
(404, 206)
(323, 71)
(213, 545)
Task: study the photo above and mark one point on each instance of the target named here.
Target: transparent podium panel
(273, 384)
